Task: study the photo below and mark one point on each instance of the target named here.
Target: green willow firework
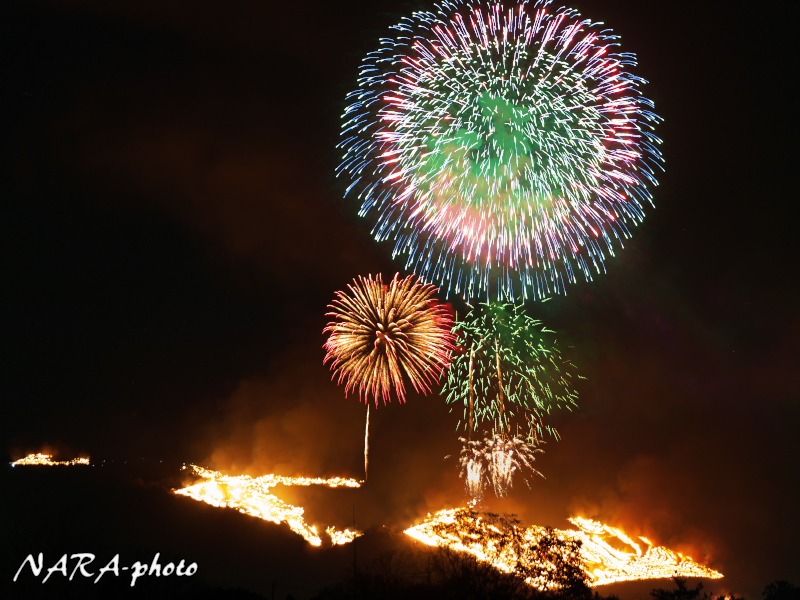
(509, 373)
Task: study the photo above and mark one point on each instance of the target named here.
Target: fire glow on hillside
(43, 459)
(608, 554)
(253, 496)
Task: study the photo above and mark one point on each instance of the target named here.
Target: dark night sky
(172, 232)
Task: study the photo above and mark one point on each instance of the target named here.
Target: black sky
(172, 232)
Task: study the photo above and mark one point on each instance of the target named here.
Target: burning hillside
(608, 554)
(253, 496)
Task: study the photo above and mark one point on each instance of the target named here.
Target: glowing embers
(252, 496)
(601, 547)
(42, 459)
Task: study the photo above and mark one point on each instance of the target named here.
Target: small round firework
(503, 146)
(382, 335)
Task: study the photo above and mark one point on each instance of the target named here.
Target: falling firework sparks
(494, 462)
(472, 474)
(42, 459)
(382, 335)
(253, 496)
(608, 554)
(503, 148)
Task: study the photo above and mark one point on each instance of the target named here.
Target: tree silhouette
(531, 565)
(545, 568)
(682, 591)
(781, 590)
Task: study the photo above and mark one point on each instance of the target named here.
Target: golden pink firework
(382, 335)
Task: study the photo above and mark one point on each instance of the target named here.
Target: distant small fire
(252, 496)
(608, 554)
(42, 459)
(340, 537)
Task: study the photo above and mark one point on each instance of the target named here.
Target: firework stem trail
(471, 420)
(501, 403)
(366, 446)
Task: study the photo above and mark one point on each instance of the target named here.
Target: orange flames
(252, 496)
(608, 554)
(607, 564)
(43, 459)
(603, 560)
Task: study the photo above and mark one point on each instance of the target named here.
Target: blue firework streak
(503, 148)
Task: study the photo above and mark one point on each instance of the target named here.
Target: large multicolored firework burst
(382, 335)
(504, 146)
